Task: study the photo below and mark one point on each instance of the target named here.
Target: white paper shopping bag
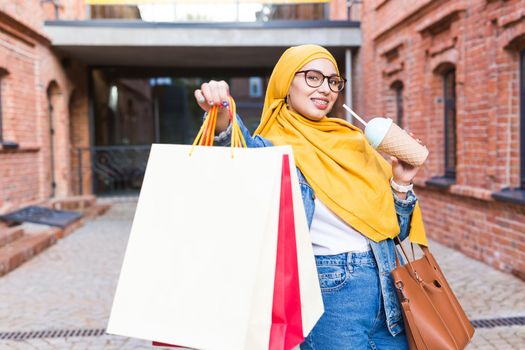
(200, 262)
(185, 279)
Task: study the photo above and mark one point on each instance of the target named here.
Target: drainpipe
(348, 86)
(56, 4)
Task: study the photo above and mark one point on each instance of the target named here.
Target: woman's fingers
(207, 89)
(224, 91)
(215, 92)
(212, 93)
(201, 100)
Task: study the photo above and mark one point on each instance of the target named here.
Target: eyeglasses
(314, 78)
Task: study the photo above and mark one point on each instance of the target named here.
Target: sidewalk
(70, 288)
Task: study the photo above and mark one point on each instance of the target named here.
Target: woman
(352, 211)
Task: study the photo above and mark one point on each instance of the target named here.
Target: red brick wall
(411, 42)
(30, 67)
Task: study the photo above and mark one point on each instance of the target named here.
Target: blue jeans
(354, 316)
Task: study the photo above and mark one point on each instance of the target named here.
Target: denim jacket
(383, 251)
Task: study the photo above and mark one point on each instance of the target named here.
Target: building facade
(452, 72)
(41, 98)
(85, 90)
(82, 98)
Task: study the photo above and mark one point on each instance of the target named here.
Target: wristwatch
(399, 188)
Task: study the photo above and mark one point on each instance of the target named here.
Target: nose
(324, 86)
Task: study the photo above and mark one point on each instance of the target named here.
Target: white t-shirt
(330, 235)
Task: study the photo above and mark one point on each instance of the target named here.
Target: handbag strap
(398, 263)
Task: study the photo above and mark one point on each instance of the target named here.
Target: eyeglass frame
(325, 77)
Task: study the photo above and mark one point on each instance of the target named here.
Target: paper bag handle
(207, 131)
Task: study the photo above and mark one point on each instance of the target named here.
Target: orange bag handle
(207, 131)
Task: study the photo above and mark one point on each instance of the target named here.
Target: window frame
(1, 114)
(398, 89)
(522, 118)
(449, 105)
(516, 195)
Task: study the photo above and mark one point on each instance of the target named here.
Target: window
(3, 143)
(256, 87)
(449, 94)
(398, 94)
(522, 119)
(1, 128)
(516, 195)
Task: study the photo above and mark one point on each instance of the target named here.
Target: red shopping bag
(286, 330)
(156, 343)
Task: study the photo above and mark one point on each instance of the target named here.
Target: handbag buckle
(419, 279)
(399, 286)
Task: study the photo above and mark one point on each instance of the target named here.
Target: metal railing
(209, 11)
(110, 170)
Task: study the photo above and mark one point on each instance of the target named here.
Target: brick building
(83, 95)
(453, 72)
(449, 71)
(43, 101)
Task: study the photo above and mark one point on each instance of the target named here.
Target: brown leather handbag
(434, 319)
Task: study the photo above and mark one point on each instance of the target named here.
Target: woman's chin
(314, 117)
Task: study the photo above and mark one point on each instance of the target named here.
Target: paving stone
(71, 285)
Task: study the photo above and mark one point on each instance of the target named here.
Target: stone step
(24, 245)
(24, 248)
(96, 210)
(10, 234)
(73, 203)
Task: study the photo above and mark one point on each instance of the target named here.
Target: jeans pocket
(332, 277)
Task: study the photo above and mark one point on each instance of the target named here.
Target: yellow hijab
(345, 172)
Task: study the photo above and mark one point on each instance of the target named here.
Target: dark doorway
(53, 96)
(133, 110)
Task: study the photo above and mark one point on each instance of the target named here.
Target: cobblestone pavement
(70, 286)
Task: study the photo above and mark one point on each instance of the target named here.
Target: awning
(213, 45)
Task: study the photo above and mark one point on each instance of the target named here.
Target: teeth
(321, 101)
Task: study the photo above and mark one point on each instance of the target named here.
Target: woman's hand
(211, 94)
(402, 172)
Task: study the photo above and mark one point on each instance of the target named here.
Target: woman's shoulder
(259, 141)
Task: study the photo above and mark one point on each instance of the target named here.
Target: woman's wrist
(400, 195)
(402, 187)
(401, 182)
(223, 120)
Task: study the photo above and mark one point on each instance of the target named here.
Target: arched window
(522, 119)
(449, 97)
(1, 97)
(397, 87)
(3, 73)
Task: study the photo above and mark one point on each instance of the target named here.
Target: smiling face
(312, 103)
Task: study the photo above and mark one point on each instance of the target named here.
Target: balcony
(182, 11)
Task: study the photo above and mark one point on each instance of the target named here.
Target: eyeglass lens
(315, 79)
